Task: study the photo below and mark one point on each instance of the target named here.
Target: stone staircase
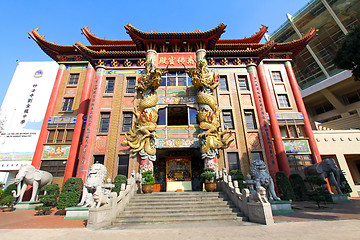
(174, 208)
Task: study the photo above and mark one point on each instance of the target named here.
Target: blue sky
(61, 21)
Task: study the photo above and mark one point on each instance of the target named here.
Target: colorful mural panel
(297, 146)
(56, 152)
(177, 143)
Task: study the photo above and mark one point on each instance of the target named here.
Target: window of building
(298, 162)
(67, 104)
(69, 135)
(283, 101)
(228, 119)
(123, 165)
(193, 116)
(51, 136)
(322, 108)
(162, 116)
(250, 119)
(243, 83)
(55, 167)
(257, 156)
(300, 131)
(277, 76)
(127, 121)
(99, 159)
(109, 87)
(352, 97)
(104, 122)
(73, 79)
(233, 160)
(173, 79)
(223, 84)
(283, 131)
(291, 130)
(60, 136)
(130, 84)
(177, 115)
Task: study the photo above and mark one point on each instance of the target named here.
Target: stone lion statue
(259, 195)
(260, 176)
(99, 198)
(95, 179)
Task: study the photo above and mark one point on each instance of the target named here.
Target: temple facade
(174, 103)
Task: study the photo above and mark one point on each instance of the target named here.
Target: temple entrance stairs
(178, 208)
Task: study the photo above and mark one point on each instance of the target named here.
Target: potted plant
(208, 177)
(8, 201)
(148, 181)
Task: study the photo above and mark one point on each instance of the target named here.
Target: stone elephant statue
(29, 175)
(326, 169)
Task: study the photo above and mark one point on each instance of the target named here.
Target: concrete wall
(345, 145)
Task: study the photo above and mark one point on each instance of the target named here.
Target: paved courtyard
(334, 221)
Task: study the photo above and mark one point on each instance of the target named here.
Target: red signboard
(176, 60)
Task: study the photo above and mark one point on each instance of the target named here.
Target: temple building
(174, 103)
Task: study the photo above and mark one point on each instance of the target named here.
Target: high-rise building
(22, 114)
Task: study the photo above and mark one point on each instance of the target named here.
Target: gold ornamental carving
(212, 137)
(141, 137)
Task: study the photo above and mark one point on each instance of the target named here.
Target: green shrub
(299, 187)
(8, 201)
(237, 175)
(320, 192)
(344, 185)
(118, 181)
(8, 190)
(49, 199)
(148, 177)
(208, 174)
(284, 187)
(70, 194)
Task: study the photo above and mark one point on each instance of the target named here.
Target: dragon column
(211, 137)
(142, 136)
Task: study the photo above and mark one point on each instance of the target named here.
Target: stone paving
(335, 221)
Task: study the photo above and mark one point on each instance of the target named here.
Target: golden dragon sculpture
(211, 138)
(142, 137)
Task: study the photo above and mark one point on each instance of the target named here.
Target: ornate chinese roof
(256, 38)
(51, 49)
(98, 41)
(208, 38)
(172, 42)
(295, 46)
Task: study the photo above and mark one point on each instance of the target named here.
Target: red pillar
(301, 108)
(264, 126)
(49, 112)
(82, 111)
(269, 105)
(91, 124)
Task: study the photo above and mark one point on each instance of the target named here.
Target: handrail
(106, 215)
(254, 206)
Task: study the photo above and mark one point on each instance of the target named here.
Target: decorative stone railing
(105, 215)
(254, 206)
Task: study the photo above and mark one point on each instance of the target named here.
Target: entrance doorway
(178, 170)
